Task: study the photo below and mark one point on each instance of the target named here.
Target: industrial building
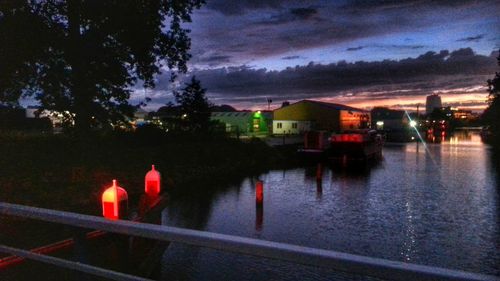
(432, 102)
(244, 122)
(307, 115)
(396, 125)
(389, 120)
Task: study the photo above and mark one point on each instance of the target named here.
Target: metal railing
(369, 266)
(85, 268)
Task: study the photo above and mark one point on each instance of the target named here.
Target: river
(432, 204)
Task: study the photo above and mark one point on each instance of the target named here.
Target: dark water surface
(437, 205)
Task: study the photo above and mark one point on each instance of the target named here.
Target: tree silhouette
(82, 57)
(492, 113)
(194, 105)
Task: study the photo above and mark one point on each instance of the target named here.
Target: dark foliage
(64, 172)
(492, 113)
(14, 119)
(82, 57)
(194, 106)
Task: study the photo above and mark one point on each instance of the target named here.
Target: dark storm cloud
(276, 33)
(290, 57)
(215, 60)
(456, 72)
(239, 7)
(290, 15)
(232, 7)
(471, 38)
(370, 6)
(392, 46)
(355, 48)
(304, 13)
(382, 79)
(462, 104)
(413, 47)
(251, 30)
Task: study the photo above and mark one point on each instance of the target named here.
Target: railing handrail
(369, 266)
(85, 268)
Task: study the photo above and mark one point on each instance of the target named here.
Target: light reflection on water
(436, 207)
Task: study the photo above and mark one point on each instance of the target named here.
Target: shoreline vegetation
(69, 173)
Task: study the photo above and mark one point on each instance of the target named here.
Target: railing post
(80, 249)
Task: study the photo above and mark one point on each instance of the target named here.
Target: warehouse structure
(394, 124)
(307, 115)
(389, 119)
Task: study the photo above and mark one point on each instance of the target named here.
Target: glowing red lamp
(152, 182)
(259, 192)
(114, 202)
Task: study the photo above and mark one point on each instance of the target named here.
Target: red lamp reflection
(259, 206)
(259, 192)
(259, 217)
(114, 202)
(152, 182)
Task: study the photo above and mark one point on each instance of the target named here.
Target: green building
(244, 122)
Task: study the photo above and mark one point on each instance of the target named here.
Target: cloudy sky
(360, 53)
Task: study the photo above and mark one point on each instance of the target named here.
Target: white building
(292, 127)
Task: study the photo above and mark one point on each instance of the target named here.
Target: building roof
(232, 114)
(335, 106)
(386, 113)
(242, 114)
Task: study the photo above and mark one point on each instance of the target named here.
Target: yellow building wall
(323, 118)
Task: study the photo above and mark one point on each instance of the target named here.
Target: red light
(351, 138)
(347, 138)
(356, 138)
(114, 202)
(152, 182)
(259, 192)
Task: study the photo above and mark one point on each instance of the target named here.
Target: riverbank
(69, 173)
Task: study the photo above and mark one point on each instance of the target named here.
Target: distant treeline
(15, 119)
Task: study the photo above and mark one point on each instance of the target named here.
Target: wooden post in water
(80, 250)
(319, 180)
(319, 172)
(259, 217)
